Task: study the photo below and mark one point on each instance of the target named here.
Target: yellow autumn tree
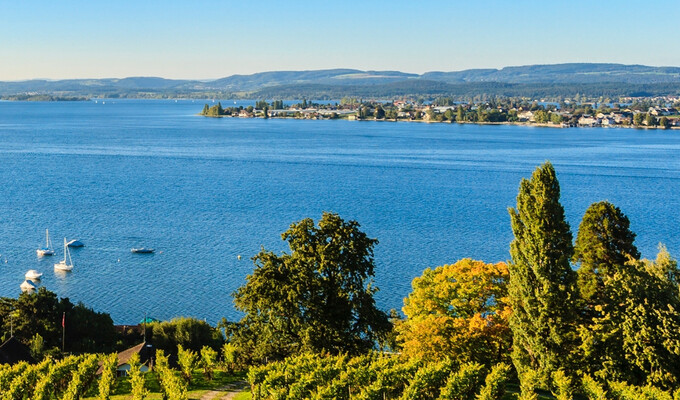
(458, 311)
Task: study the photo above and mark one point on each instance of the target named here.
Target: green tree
(556, 118)
(379, 113)
(205, 110)
(664, 123)
(41, 313)
(649, 301)
(460, 114)
(638, 118)
(317, 298)
(190, 333)
(542, 285)
(37, 346)
(650, 120)
(541, 117)
(604, 249)
(604, 244)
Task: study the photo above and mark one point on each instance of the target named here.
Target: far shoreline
(422, 121)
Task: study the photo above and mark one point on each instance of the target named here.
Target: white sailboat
(63, 265)
(47, 250)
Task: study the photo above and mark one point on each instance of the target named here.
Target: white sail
(66, 264)
(47, 250)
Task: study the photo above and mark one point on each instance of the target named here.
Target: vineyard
(375, 376)
(379, 377)
(66, 379)
(94, 376)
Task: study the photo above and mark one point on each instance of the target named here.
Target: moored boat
(33, 275)
(75, 243)
(27, 286)
(66, 264)
(142, 250)
(47, 250)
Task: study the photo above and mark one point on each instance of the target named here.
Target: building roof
(13, 351)
(144, 349)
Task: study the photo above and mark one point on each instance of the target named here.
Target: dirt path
(226, 392)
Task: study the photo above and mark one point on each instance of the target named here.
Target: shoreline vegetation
(660, 113)
(42, 97)
(565, 318)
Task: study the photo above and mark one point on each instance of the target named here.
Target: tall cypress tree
(542, 285)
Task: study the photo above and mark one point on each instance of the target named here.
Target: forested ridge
(558, 81)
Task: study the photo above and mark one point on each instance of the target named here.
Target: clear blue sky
(212, 39)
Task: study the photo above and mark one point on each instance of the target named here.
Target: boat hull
(27, 286)
(62, 266)
(142, 251)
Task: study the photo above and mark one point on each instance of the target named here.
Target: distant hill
(563, 73)
(555, 80)
(329, 77)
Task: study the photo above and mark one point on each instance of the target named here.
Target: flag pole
(63, 331)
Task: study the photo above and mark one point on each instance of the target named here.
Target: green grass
(244, 395)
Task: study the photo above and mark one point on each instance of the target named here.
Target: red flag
(63, 320)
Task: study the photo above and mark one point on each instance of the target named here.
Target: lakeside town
(658, 112)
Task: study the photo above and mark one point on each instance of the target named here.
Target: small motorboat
(66, 264)
(142, 250)
(27, 286)
(47, 250)
(75, 243)
(33, 275)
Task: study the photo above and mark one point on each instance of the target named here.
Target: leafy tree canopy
(460, 311)
(318, 297)
(191, 333)
(41, 313)
(604, 245)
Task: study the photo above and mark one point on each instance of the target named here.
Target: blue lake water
(202, 191)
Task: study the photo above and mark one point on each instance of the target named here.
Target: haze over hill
(555, 80)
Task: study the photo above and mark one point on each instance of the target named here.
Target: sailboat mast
(47, 238)
(66, 250)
